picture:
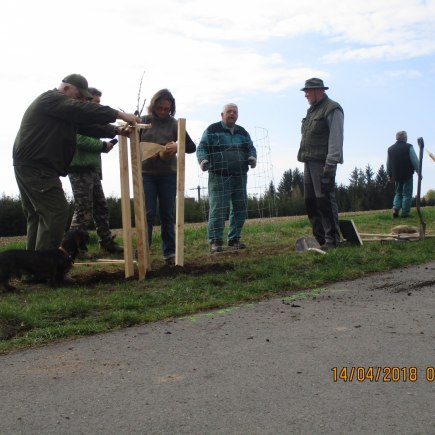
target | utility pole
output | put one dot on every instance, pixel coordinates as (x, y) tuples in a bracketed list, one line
[(199, 191)]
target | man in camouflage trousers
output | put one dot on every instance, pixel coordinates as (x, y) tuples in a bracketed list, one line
[(85, 174)]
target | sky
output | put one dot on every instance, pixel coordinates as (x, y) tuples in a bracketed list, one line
[(376, 57)]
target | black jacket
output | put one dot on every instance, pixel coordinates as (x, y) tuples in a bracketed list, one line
[(400, 164), (47, 135)]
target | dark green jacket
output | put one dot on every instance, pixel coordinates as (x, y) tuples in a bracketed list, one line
[(315, 131), (47, 135)]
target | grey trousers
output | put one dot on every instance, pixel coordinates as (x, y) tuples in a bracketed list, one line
[(320, 203), (44, 205)]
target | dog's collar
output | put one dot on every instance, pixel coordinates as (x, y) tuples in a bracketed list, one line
[(63, 250)]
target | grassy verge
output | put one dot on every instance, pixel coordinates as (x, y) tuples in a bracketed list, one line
[(35, 315)]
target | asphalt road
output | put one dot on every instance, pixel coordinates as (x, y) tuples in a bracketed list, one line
[(275, 367)]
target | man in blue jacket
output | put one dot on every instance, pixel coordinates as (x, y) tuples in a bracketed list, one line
[(226, 151)]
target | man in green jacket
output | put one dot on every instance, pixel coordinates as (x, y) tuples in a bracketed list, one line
[(85, 175), (321, 150), (43, 150)]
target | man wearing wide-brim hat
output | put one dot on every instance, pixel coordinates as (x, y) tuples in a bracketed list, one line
[(321, 150)]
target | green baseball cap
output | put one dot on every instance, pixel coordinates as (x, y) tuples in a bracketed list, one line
[(314, 83), (80, 83)]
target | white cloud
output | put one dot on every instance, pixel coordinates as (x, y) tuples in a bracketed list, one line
[(205, 52)]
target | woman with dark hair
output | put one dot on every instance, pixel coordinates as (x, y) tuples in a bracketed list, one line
[(159, 173)]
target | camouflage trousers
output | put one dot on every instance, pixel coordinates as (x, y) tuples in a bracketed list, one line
[(90, 204)]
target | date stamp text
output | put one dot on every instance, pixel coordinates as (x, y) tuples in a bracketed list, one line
[(382, 374)]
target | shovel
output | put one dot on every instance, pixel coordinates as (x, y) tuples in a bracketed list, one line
[(422, 231), (308, 244)]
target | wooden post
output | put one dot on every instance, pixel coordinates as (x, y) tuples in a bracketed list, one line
[(179, 219), (125, 207), (144, 262)]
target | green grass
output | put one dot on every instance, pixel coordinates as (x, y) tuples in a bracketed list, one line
[(36, 315)]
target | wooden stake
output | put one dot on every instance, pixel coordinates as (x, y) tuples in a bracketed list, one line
[(144, 262), (389, 235), (125, 207), (125, 125), (179, 219)]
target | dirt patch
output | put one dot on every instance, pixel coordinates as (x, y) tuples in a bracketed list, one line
[(94, 277), (95, 273), (207, 264)]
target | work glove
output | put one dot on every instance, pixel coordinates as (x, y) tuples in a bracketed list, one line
[(252, 162), (204, 165), (329, 169), (327, 179)]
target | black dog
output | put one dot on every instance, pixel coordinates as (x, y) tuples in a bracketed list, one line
[(49, 265)]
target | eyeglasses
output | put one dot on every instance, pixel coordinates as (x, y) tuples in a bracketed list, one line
[(162, 109)]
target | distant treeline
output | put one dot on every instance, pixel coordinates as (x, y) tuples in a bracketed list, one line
[(367, 190)]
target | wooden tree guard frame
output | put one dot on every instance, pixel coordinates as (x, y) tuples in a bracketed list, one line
[(143, 255), (179, 217)]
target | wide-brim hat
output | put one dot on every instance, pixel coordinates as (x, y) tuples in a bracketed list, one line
[(314, 83), (80, 83)]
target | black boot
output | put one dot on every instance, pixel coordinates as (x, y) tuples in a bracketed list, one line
[(111, 246)]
